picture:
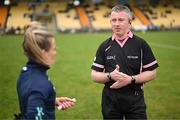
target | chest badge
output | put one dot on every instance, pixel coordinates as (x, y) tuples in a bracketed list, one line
[(113, 57), (132, 57)]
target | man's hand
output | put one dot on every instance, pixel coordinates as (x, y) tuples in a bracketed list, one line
[(120, 78), (115, 75)]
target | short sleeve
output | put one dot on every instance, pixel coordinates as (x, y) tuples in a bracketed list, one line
[(99, 60), (149, 61)]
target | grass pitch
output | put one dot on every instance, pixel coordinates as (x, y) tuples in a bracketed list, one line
[(71, 74)]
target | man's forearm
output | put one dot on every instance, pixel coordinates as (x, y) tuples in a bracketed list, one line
[(145, 76), (99, 77)]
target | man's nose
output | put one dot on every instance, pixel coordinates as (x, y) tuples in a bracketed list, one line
[(117, 23)]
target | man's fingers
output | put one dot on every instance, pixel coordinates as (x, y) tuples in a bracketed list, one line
[(115, 85)]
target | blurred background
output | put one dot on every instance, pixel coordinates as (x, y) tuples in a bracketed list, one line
[(79, 26), (86, 15)]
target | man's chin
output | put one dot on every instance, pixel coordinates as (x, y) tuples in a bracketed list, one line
[(118, 33)]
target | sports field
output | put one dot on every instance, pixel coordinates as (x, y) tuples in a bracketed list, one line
[(71, 74)]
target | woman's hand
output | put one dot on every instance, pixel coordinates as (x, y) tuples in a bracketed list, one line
[(64, 103)]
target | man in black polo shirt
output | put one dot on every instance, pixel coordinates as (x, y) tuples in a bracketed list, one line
[(124, 62)]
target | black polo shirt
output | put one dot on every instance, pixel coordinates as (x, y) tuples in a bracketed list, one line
[(134, 57)]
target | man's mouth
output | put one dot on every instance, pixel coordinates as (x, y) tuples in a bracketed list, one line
[(117, 28)]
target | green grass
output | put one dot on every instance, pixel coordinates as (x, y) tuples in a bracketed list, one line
[(71, 75)]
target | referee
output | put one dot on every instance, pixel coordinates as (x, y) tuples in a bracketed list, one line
[(123, 63)]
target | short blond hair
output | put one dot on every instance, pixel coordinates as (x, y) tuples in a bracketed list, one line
[(36, 39)]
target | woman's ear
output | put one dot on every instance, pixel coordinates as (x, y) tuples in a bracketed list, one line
[(44, 53), (45, 56)]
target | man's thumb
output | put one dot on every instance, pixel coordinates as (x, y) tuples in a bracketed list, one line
[(117, 67)]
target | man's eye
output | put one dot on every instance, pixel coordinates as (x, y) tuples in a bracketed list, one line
[(120, 19), (114, 20)]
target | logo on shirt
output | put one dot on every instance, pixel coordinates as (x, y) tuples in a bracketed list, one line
[(111, 57), (24, 68), (40, 113), (107, 48), (132, 57)]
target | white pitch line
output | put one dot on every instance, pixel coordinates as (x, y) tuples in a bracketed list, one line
[(166, 46)]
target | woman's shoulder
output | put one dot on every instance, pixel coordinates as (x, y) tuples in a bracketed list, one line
[(40, 85), (39, 81)]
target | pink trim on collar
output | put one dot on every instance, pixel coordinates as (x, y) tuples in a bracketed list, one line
[(122, 42)]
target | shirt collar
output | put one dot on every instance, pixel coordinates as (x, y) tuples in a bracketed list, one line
[(121, 42), (128, 35), (32, 63)]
